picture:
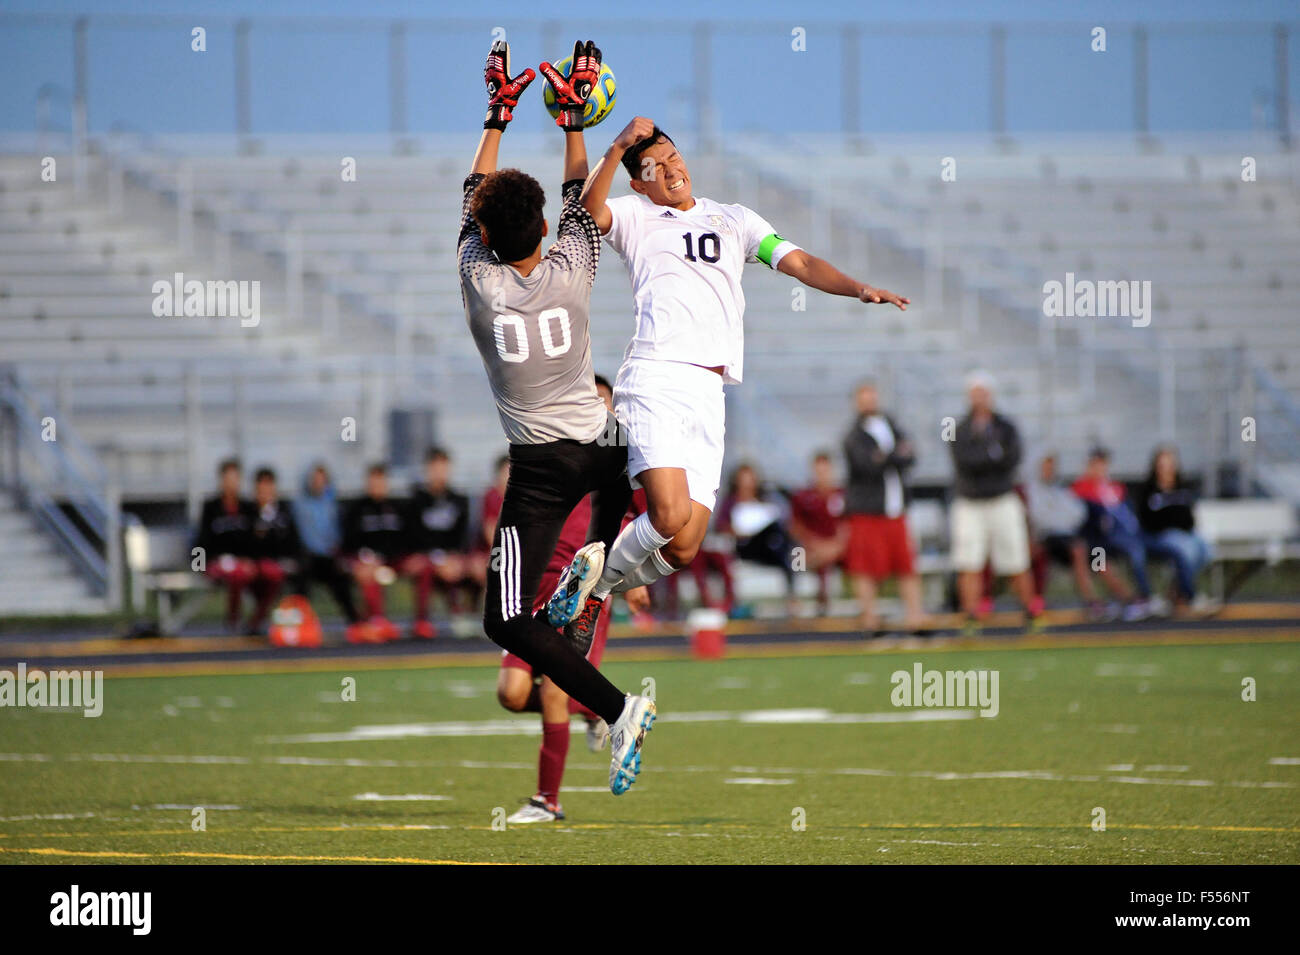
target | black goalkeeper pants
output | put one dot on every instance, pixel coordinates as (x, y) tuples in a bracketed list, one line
[(546, 482)]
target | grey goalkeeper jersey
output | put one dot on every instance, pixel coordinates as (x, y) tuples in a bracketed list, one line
[(533, 331)]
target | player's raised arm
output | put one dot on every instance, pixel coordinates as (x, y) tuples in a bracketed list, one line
[(821, 275), (596, 191), (571, 96), (503, 96)]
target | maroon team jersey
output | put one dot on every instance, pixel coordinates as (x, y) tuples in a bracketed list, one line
[(818, 512)]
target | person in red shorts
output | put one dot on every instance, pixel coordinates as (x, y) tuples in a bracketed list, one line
[(521, 691), (225, 539), (379, 536), (879, 455), (815, 523)]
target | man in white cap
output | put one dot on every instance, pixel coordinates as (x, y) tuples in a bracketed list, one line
[(988, 517)]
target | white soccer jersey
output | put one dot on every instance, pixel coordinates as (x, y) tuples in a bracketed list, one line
[(685, 269)]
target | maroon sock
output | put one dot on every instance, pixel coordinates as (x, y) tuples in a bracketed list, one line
[(374, 597), (550, 764), (576, 707)]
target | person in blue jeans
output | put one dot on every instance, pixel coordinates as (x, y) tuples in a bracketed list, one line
[(1165, 509), (1112, 526)]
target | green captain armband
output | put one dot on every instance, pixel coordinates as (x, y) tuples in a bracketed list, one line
[(773, 249)]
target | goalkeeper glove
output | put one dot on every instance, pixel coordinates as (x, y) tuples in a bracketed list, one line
[(571, 94), (503, 92)]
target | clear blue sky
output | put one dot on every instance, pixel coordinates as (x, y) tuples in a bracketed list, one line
[(925, 71)]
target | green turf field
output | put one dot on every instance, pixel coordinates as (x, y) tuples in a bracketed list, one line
[(1157, 736)]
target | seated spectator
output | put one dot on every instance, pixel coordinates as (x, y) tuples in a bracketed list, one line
[(815, 522), (1057, 517), (1112, 526), (225, 538), (316, 512), (755, 520), (442, 527), (1165, 505), (277, 547), (879, 455), (382, 543)]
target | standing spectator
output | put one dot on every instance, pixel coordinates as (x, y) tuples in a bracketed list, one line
[(1165, 510), (879, 546), (317, 514), (277, 546), (1113, 527), (988, 517), (815, 522), (755, 519), (442, 527), (379, 536), (1057, 517), (225, 536)]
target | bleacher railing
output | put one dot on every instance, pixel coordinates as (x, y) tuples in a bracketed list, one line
[(47, 469)]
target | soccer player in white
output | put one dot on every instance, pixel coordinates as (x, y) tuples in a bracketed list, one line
[(685, 254)]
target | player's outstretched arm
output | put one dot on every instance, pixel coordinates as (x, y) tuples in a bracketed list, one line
[(503, 96), (821, 275), (571, 96), (596, 191)]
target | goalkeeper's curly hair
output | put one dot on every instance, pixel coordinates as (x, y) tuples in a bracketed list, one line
[(508, 205)]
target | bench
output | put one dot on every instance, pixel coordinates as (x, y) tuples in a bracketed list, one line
[(1255, 532), (158, 559)]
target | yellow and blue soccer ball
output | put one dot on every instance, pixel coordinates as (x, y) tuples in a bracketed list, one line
[(599, 104)]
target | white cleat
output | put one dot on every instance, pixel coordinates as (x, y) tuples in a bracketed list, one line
[(597, 735), (536, 809), (576, 583), (625, 738)]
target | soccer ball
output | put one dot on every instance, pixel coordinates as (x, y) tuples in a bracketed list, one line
[(599, 104)]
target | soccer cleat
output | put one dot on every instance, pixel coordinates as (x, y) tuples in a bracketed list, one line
[(582, 629), (625, 739), (597, 735), (576, 583), (536, 809), (423, 629)]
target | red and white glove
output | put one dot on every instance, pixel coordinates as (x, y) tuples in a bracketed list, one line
[(503, 91), (571, 94)]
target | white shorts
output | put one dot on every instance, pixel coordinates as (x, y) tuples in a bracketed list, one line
[(675, 416), (990, 528)]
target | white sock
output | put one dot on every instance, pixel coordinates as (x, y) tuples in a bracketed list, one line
[(654, 568), (634, 544)]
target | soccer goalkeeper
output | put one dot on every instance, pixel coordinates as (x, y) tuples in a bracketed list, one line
[(528, 314)]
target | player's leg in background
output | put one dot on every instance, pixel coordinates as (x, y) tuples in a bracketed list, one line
[(517, 691), (532, 516), (266, 588), (554, 751), (339, 583), (864, 588), (363, 572)]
